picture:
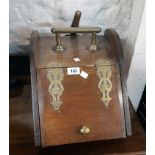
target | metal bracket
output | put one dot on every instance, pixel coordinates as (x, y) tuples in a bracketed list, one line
[(55, 76), (104, 73)]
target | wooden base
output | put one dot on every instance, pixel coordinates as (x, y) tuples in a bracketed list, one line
[(22, 135)]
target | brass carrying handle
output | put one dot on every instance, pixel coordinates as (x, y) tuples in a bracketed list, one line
[(93, 30)]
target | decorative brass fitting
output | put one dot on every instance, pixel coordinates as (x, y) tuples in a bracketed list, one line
[(92, 30), (104, 72), (84, 130)]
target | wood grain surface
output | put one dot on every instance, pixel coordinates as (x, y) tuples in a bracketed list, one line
[(81, 97), (82, 106), (114, 41), (22, 135), (77, 46)]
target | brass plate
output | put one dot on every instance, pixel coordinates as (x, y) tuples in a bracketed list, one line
[(55, 76), (104, 73)]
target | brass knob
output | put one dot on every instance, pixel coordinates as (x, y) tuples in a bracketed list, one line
[(84, 130)]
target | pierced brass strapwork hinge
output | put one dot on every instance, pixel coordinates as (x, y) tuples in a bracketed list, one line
[(104, 73), (55, 76)]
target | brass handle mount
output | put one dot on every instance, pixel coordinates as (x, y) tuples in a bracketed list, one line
[(93, 30), (84, 130)]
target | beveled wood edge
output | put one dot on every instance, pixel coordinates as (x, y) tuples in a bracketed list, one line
[(41, 107), (34, 45), (130, 153), (120, 97), (35, 108), (34, 37), (114, 40)]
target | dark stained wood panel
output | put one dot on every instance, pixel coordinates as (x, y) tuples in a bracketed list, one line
[(81, 97), (22, 136), (74, 47), (82, 106)]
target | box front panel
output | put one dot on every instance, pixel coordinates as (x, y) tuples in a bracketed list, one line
[(80, 106)]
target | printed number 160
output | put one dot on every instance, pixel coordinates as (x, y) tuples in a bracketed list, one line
[(73, 70)]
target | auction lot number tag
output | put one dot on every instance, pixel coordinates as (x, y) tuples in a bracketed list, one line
[(73, 70)]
